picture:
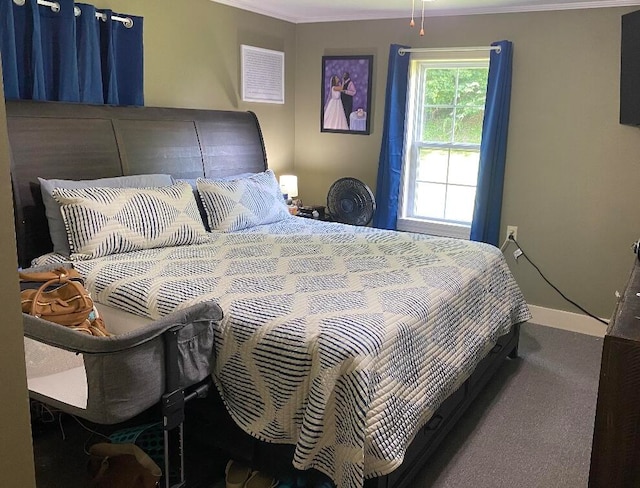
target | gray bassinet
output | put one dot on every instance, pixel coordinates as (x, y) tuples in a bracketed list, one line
[(108, 380), (128, 373)]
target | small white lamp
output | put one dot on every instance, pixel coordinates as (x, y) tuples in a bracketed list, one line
[(289, 185)]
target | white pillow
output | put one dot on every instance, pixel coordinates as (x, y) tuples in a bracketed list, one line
[(103, 221), (57, 232), (243, 203), (193, 182)]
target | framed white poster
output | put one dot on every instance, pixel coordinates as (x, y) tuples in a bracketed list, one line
[(262, 75)]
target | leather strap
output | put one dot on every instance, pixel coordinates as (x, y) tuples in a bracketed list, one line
[(43, 288), (104, 465), (59, 274)]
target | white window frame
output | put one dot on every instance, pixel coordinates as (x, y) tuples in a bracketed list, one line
[(412, 146)]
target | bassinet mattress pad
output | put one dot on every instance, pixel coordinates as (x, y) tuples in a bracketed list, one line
[(341, 340)]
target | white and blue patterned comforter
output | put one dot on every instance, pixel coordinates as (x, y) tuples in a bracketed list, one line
[(341, 340)]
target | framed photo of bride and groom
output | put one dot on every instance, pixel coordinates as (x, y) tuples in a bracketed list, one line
[(346, 94)]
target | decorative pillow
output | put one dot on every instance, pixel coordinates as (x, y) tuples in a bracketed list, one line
[(193, 183), (103, 221), (240, 204), (57, 230)]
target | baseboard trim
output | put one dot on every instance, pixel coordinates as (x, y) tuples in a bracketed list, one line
[(570, 321)]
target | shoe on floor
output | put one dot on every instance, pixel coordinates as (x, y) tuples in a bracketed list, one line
[(260, 480), (287, 482), (236, 474)]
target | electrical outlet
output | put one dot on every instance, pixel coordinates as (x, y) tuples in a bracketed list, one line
[(512, 230)]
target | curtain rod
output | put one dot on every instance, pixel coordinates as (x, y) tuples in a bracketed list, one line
[(55, 7), (402, 50)]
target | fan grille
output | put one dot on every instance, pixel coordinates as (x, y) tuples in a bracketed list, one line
[(350, 201)]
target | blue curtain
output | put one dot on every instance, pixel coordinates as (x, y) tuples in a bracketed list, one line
[(57, 55), (390, 165), (122, 61), (58, 45), (28, 45), (108, 57), (493, 149), (89, 62), (8, 50)]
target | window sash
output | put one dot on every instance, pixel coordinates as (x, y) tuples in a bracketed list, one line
[(414, 142), (409, 189)]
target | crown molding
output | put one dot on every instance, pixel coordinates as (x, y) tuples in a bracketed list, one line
[(432, 11), (250, 6)]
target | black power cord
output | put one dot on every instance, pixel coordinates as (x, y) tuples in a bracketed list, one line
[(511, 238)]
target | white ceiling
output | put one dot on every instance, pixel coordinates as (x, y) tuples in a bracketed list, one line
[(302, 11)]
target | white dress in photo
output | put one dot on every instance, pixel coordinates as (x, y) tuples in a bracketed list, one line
[(334, 117)]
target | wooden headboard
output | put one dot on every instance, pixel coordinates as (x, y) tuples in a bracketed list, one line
[(84, 142)]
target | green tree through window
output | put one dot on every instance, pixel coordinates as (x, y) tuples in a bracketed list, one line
[(444, 130)]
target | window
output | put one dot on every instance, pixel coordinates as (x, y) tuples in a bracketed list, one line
[(442, 148)]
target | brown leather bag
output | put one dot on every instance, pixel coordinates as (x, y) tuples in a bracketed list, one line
[(59, 296), (122, 466)]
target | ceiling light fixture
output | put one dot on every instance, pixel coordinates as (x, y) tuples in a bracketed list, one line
[(413, 10)]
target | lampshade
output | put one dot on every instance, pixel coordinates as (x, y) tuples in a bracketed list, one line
[(289, 185)]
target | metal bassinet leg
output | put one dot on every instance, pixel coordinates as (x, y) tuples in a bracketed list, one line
[(173, 403)]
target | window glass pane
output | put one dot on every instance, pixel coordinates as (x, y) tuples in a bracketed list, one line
[(448, 116), (463, 167), (472, 86), (469, 125), (438, 124), (440, 86), (460, 203), (432, 165), (429, 201)]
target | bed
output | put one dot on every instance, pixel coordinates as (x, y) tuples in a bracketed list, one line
[(328, 331)]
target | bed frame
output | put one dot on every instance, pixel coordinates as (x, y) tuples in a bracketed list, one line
[(73, 141), (84, 142)]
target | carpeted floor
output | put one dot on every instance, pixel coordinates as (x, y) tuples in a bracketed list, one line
[(531, 427)]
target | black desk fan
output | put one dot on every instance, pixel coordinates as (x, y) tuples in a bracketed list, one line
[(350, 201)]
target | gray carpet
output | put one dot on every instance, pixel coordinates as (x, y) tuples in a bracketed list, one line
[(533, 425)]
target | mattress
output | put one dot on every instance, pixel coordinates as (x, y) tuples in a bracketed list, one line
[(57, 373), (340, 340)]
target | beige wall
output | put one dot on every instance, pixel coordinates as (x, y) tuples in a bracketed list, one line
[(573, 172), (192, 52), (16, 455), (192, 60)]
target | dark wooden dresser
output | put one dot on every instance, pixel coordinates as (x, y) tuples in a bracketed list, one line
[(615, 455)]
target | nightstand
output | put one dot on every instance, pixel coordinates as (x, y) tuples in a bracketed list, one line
[(307, 213), (322, 218)]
